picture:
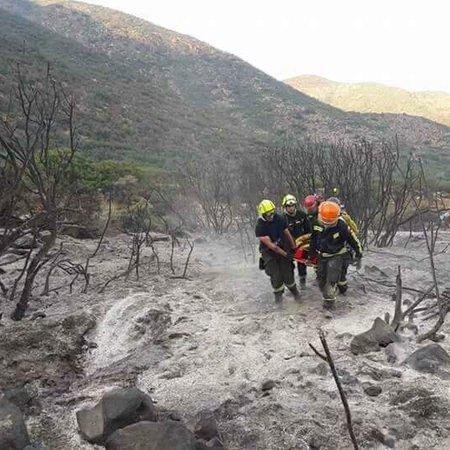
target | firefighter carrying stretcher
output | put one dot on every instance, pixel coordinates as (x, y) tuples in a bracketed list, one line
[(300, 229), (329, 239), (277, 249)]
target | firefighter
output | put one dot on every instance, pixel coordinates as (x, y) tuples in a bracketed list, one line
[(277, 249), (329, 240), (342, 284), (300, 229), (311, 205)]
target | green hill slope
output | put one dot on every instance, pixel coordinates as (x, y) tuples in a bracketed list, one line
[(147, 93), (374, 97)]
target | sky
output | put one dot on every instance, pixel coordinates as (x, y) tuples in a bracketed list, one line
[(403, 43)]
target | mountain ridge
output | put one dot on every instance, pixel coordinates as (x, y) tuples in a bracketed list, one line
[(375, 97), (148, 94)]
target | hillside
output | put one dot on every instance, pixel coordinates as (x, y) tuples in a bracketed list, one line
[(375, 98), (147, 93)]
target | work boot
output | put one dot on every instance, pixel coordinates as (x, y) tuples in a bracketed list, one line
[(278, 296), (302, 283), (295, 293), (329, 291)]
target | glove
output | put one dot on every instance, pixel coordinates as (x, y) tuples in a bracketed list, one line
[(262, 266), (314, 259), (358, 264)]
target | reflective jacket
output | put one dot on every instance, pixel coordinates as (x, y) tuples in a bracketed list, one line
[(332, 241)]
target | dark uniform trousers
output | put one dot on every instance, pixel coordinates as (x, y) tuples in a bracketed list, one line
[(332, 270), (280, 270)]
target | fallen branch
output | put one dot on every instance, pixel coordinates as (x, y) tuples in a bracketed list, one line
[(404, 288), (412, 308), (320, 355), (125, 273), (330, 361)]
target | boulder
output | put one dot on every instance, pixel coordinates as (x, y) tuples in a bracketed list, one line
[(152, 436), (206, 426), (431, 359), (117, 409), (13, 432), (380, 335)]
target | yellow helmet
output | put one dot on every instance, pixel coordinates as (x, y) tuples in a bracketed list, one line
[(289, 200), (266, 207)]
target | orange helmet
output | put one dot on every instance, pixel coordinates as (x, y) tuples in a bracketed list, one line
[(329, 212)]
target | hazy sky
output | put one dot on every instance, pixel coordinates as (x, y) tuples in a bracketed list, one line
[(403, 43)]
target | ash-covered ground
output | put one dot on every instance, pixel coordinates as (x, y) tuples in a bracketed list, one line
[(217, 341)]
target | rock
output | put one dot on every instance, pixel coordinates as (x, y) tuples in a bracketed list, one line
[(380, 436), (22, 397), (437, 337), (389, 441), (347, 378), (379, 374), (206, 426), (371, 389), (38, 315), (90, 344), (344, 335), (268, 385), (380, 335), (169, 415), (154, 321), (430, 359), (117, 409), (391, 352), (320, 369), (25, 243), (426, 407), (420, 403), (404, 395), (178, 335), (13, 432), (152, 436), (80, 232), (43, 351)]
